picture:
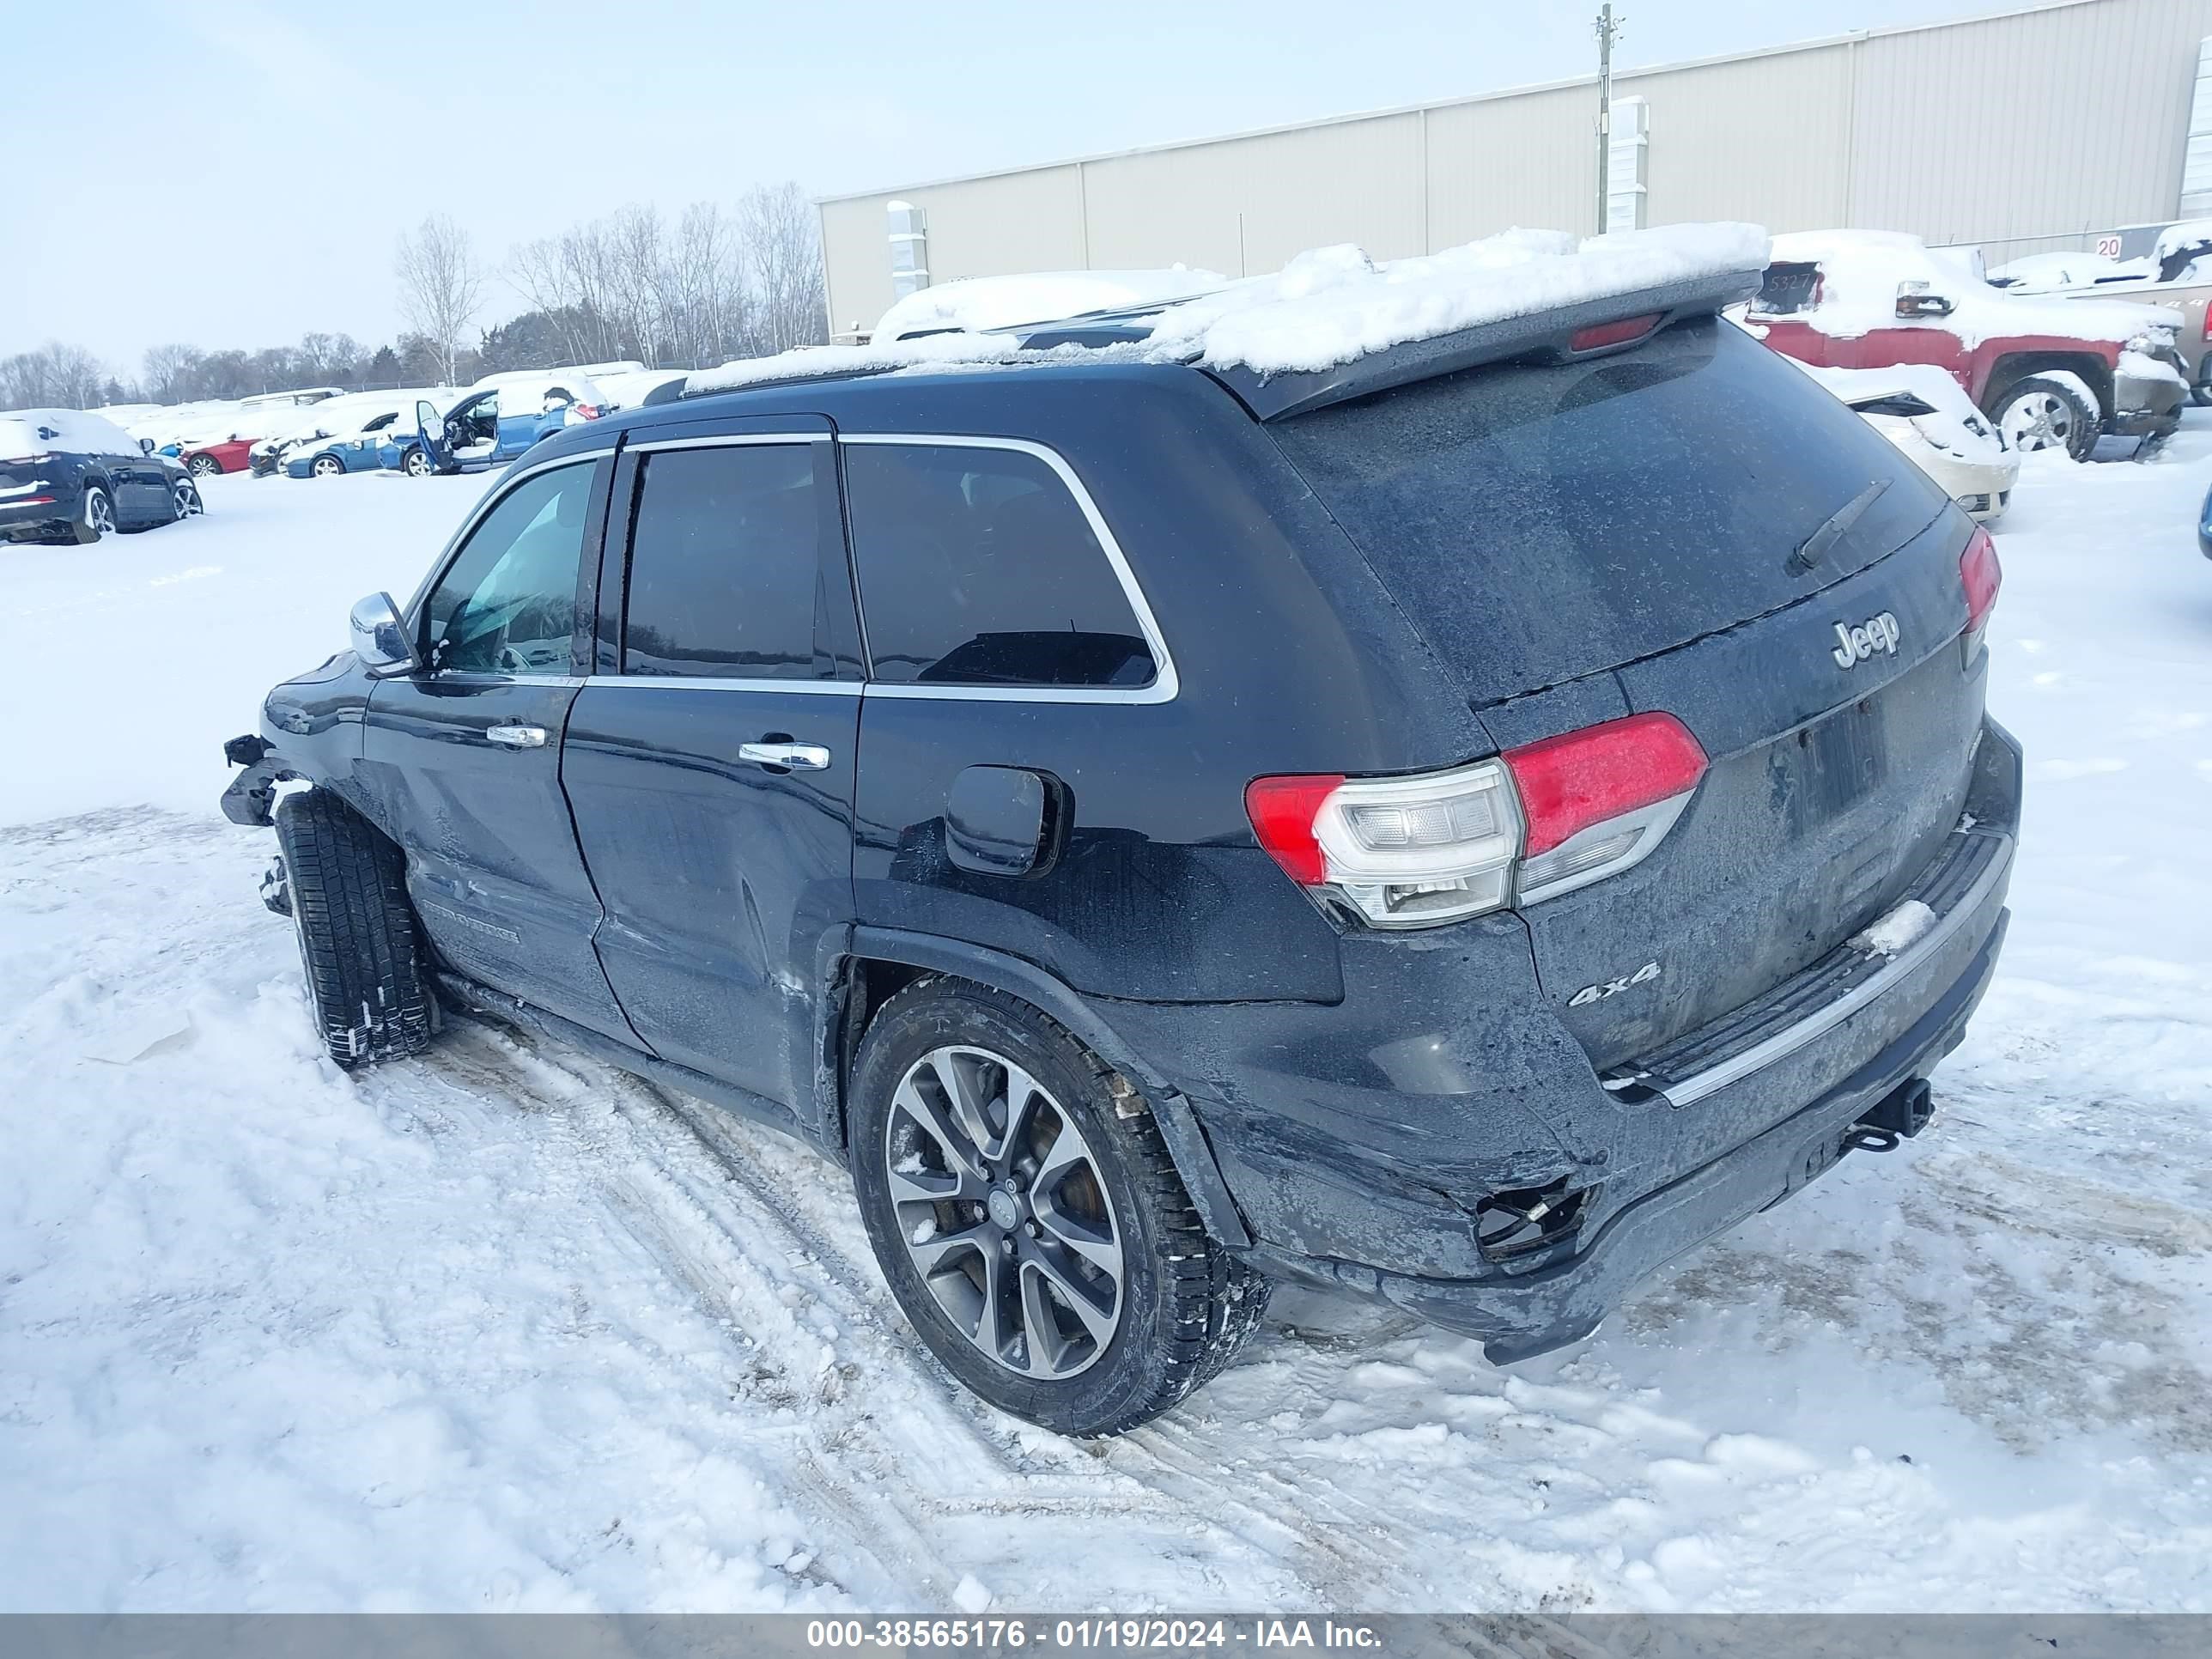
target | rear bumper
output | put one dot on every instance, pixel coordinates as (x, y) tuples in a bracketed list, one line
[(1368, 1144), (1560, 1303)]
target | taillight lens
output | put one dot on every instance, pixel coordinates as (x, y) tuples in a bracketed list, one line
[(1981, 576), (1537, 822)]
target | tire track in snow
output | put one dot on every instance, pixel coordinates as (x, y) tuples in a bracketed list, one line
[(907, 1468)]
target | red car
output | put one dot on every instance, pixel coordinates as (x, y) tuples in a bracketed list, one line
[(2051, 373), (227, 456)]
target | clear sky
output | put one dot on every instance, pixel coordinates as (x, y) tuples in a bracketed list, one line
[(235, 172)]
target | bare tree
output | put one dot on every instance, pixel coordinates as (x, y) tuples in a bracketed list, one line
[(55, 376), (440, 288), (169, 371), (783, 253)]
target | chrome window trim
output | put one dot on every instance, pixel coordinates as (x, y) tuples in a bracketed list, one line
[(1828, 1016), (1166, 683), (729, 440), (708, 683)]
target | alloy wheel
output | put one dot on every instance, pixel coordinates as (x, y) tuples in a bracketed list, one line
[(325, 467), (417, 464), (1003, 1210), (204, 466), (99, 512), (2038, 421), (186, 498)]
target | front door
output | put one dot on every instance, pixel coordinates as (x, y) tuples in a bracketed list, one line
[(466, 754), (431, 433), (711, 772)]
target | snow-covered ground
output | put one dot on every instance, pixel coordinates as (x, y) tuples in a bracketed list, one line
[(500, 1328)]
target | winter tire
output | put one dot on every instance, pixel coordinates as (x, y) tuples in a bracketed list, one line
[(1028, 1216), (327, 466), (96, 518), (2039, 414), (368, 985), (184, 500), (415, 463), (203, 466)]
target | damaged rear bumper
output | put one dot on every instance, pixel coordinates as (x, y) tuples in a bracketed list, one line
[(1527, 1315)]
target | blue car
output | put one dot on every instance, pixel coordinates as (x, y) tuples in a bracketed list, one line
[(491, 425), (339, 454)]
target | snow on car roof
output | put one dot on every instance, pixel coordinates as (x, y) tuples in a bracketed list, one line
[(1860, 271), (75, 431), (976, 303), (1333, 305)]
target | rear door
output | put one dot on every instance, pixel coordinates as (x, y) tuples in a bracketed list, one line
[(1652, 532), (710, 758), (466, 757)]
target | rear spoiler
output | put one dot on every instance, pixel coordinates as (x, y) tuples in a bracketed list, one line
[(1539, 336)]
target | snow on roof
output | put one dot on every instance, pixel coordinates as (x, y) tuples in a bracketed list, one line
[(1861, 270), (1335, 304), (73, 432), (984, 302)]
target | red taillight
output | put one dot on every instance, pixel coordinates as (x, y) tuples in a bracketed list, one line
[(1981, 576), (1538, 821), (590, 411), (1606, 334), (1283, 811), (1571, 782)]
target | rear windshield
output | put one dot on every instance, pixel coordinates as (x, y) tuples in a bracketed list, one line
[(1540, 523)]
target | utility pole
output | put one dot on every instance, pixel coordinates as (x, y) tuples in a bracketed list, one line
[(1606, 29)]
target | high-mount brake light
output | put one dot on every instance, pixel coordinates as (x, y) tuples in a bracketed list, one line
[(1981, 575), (1539, 821), (1611, 334)]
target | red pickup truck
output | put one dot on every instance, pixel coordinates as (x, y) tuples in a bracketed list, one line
[(2051, 373)]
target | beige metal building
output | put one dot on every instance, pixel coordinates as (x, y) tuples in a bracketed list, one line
[(2036, 129)]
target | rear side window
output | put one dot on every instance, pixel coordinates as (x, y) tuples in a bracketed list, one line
[(977, 567), (725, 564), (1541, 522)]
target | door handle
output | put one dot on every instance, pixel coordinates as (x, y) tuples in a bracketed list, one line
[(517, 737), (799, 756)]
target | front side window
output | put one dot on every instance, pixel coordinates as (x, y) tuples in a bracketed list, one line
[(507, 603), (977, 567), (725, 565)]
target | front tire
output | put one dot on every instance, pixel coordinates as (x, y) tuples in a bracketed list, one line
[(415, 463), (369, 982), (1032, 1227), (2040, 414), (203, 466), (326, 466)]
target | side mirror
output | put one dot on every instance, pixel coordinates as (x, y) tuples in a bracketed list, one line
[(379, 638), (145, 445), (1914, 299)]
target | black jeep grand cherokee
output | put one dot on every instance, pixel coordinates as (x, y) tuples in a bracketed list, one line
[(1464, 826)]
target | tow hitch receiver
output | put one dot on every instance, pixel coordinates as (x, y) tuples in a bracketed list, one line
[(1899, 1115)]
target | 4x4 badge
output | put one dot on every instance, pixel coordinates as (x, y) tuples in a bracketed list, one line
[(1875, 633), (1598, 993)]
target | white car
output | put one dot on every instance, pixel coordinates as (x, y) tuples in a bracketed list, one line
[(1928, 414)]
